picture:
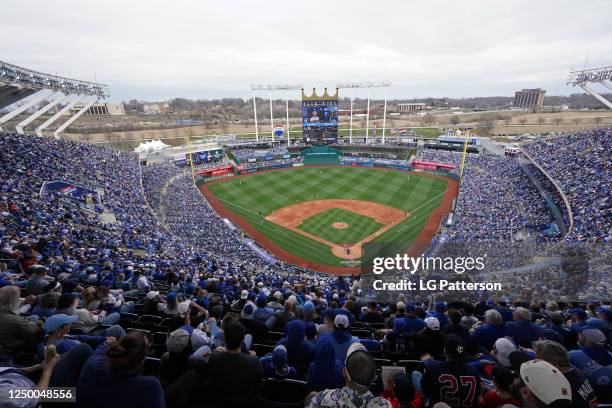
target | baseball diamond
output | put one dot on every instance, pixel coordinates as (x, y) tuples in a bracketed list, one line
[(319, 217)]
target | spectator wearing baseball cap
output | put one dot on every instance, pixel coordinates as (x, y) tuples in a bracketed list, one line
[(583, 394), (57, 328), (262, 312), (430, 340), (239, 303), (543, 385), (439, 312), (578, 318), (153, 303), (180, 345), (300, 352), (592, 358), (454, 369), (277, 366), (359, 371), (341, 337)]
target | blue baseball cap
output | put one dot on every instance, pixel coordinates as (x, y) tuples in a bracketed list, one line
[(581, 314), (440, 306), (279, 356), (309, 307), (56, 321)]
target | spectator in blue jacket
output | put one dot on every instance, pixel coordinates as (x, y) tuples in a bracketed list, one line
[(325, 372), (521, 329), (300, 352), (487, 333), (341, 338)]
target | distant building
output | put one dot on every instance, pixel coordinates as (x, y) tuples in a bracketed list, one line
[(112, 109), (155, 108), (410, 107), (151, 108), (529, 98)]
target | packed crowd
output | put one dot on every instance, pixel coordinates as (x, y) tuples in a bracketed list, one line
[(175, 293), (580, 163), (276, 162), (346, 160), (245, 154)]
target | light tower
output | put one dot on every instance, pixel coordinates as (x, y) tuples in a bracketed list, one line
[(368, 85), (270, 88), (602, 76)]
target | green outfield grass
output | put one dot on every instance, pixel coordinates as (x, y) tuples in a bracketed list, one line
[(266, 192), (359, 226)]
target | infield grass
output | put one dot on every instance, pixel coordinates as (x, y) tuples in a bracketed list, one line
[(263, 193), (358, 226)]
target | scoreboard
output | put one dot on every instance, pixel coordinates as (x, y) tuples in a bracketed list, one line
[(320, 118)]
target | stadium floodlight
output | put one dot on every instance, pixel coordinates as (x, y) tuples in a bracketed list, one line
[(270, 88), (368, 85), (584, 77)]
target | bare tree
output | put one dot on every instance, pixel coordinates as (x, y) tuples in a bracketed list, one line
[(454, 120), (541, 121), (486, 123), (522, 121), (598, 120), (557, 120), (576, 121)]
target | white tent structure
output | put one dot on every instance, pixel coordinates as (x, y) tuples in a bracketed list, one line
[(152, 146)]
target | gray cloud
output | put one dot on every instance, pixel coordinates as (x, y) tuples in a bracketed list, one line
[(205, 49)]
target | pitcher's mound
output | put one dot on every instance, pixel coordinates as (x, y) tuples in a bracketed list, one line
[(340, 225)]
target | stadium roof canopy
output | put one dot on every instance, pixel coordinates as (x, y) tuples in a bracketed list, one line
[(18, 83)]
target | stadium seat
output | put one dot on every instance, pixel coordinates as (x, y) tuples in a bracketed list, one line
[(284, 393), (274, 336), (412, 365), (262, 349), (380, 362), (159, 337), (145, 332), (376, 326), (129, 316), (362, 334), (150, 319), (152, 366)]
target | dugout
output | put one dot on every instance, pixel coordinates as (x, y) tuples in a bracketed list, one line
[(321, 156)]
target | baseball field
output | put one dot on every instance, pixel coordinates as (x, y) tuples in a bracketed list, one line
[(320, 217)]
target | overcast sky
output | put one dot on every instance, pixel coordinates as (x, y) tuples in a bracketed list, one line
[(156, 50)]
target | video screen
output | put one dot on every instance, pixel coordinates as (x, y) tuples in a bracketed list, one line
[(320, 121)]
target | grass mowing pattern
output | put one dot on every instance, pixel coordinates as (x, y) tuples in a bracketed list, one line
[(359, 226), (266, 192)]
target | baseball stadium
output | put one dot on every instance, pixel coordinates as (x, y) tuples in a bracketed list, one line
[(175, 238)]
